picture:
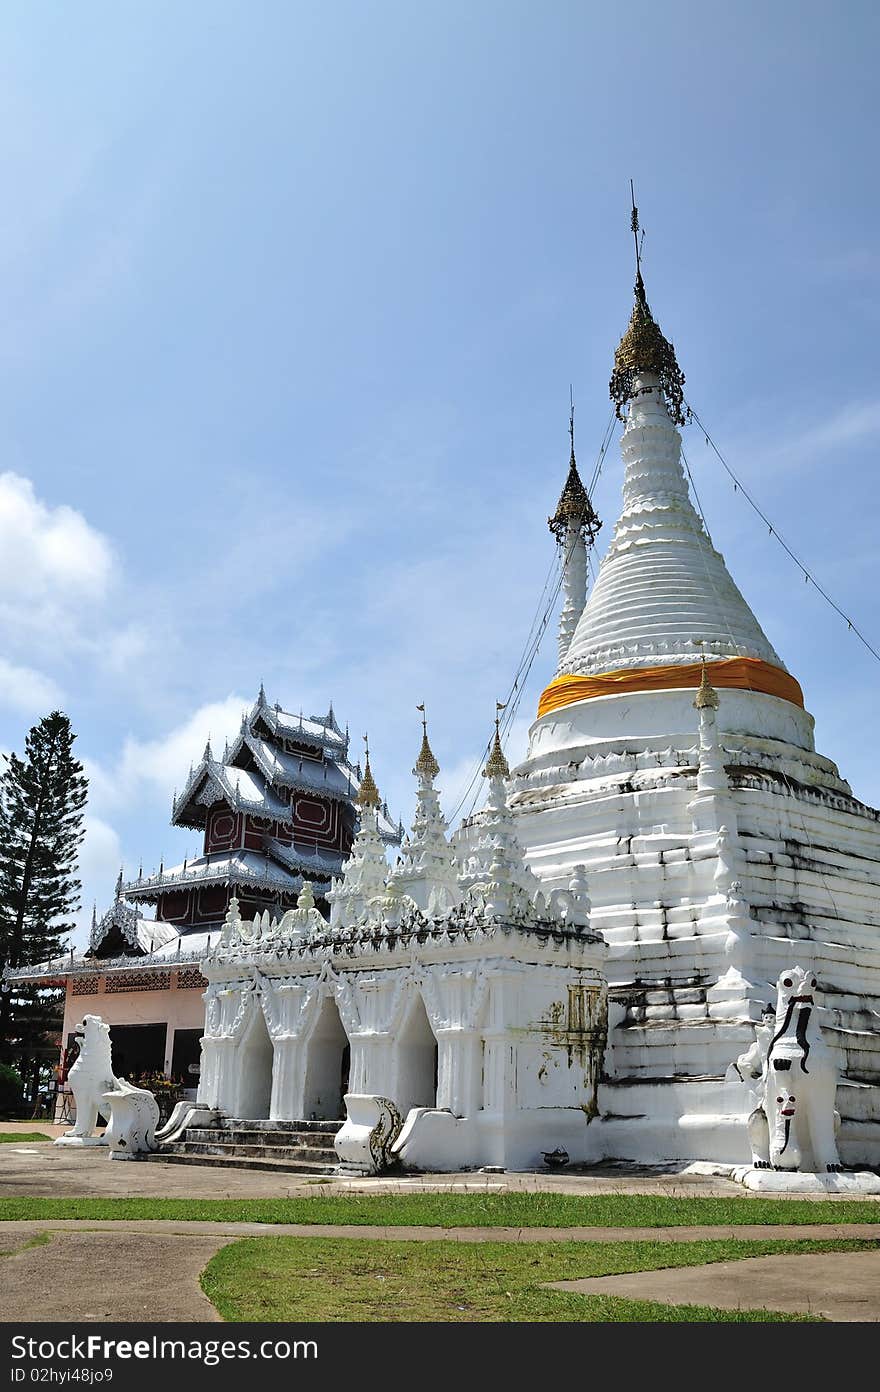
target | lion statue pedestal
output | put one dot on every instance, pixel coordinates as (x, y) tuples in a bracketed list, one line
[(133, 1113), (134, 1116)]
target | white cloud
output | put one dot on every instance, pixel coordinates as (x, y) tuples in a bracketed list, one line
[(795, 445), (855, 422), (160, 765), (26, 690), (55, 569), (48, 553)]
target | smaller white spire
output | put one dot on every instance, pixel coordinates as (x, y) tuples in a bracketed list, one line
[(575, 527), (712, 775), (358, 893), (495, 869), (426, 870), (712, 807), (231, 923)]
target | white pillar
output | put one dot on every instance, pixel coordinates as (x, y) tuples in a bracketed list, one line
[(459, 1071), (370, 1069), (288, 1078), (574, 586)]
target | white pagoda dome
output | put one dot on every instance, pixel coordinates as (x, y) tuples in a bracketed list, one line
[(661, 582), (719, 845)]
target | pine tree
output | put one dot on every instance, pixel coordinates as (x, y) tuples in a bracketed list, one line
[(41, 812)]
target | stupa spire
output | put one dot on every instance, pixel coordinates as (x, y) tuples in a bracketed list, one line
[(426, 871), (644, 350), (496, 869), (575, 527), (574, 508), (426, 767), (661, 580), (357, 896), (368, 795), (706, 697), (497, 766)]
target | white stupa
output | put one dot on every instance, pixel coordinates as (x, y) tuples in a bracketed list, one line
[(720, 847)]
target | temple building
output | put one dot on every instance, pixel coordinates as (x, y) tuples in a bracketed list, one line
[(577, 969), (456, 988), (277, 810), (278, 807), (673, 757)]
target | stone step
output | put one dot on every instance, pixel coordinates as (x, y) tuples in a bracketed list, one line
[(243, 1162), (318, 1155), (263, 1124), (299, 1146), (234, 1135)]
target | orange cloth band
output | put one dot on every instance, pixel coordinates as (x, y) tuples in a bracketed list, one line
[(744, 673)]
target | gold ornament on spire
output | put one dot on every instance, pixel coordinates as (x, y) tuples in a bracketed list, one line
[(643, 348), (707, 696), (574, 507), (496, 765), (368, 795), (426, 763)]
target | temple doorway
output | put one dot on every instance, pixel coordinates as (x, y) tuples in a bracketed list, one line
[(138, 1050), (416, 1060), (255, 1060), (327, 1066)]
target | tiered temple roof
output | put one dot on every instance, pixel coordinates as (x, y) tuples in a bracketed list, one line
[(278, 807), (121, 931)]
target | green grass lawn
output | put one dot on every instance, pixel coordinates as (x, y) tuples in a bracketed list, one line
[(8, 1137), (319, 1279), (451, 1209)]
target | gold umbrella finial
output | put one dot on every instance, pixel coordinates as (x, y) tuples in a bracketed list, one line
[(496, 765), (574, 507), (707, 696), (643, 348), (368, 795), (426, 764)]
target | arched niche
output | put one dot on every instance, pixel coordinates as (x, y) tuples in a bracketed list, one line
[(416, 1059), (327, 1065), (254, 1065)]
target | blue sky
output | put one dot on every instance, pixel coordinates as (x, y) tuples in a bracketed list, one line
[(290, 300)]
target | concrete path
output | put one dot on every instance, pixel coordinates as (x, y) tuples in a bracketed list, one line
[(41, 1169), (174, 1227), (839, 1286), (95, 1277), (149, 1270)]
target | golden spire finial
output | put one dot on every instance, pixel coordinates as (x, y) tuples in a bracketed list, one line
[(574, 507), (643, 349), (707, 696), (368, 795), (636, 229), (426, 764), (496, 765)]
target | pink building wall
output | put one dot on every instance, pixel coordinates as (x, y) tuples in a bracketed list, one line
[(178, 1006)]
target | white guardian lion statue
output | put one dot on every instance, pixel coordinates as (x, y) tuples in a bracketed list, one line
[(133, 1112), (91, 1077), (793, 1125)]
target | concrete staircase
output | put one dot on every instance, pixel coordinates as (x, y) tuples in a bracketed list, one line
[(295, 1147)]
